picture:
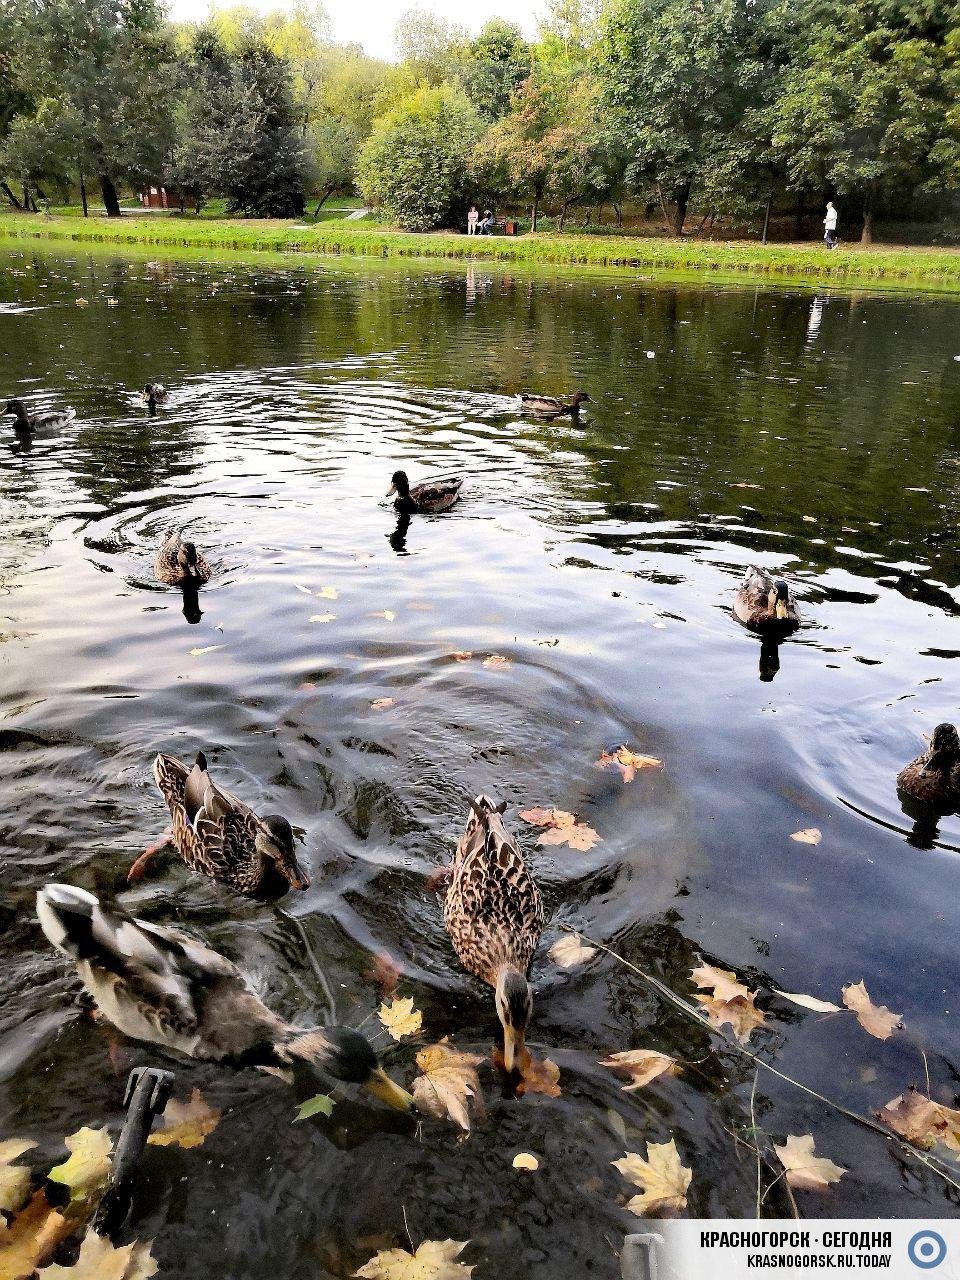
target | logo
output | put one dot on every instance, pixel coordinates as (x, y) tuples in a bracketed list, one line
[(927, 1249)]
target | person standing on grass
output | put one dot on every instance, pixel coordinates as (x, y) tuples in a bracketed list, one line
[(830, 226), (472, 219)]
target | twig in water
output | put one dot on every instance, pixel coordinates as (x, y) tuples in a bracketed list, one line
[(753, 1125)]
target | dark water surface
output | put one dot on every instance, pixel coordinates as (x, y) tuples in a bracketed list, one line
[(818, 437)]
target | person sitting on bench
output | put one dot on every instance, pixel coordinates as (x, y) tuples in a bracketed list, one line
[(486, 224)]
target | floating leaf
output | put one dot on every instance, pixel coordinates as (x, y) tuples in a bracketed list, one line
[(32, 1237), (809, 835), (448, 1082), (82, 302), (306, 590), (808, 1002), (804, 1170), (186, 1124), (662, 1179), (387, 614), (381, 704), (87, 1169), (322, 617), (497, 662), (627, 761), (207, 648), (14, 1179), (569, 951), (536, 1075), (524, 1160), (461, 655), (434, 1260), (401, 1018), (730, 1002), (922, 1121), (875, 1018), (99, 1260), (112, 302), (327, 593), (318, 1105), (641, 1065), (562, 828)]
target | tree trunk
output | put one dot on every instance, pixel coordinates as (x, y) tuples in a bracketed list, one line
[(681, 198), (798, 216), (26, 197), (535, 210), (663, 206), (110, 201), (866, 236), (83, 196), (619, 212), (322, 201), (11, 197), (563, 214), (766, 220)]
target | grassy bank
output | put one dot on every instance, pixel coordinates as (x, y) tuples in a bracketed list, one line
[(877, 267)]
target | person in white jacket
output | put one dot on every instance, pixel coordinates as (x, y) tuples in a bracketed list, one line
[(830, 226)]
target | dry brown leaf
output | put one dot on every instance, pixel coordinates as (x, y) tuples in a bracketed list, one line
[(524, 1160), (186, 1124), (808, 1002), (641, 1065), (804, 1170), (922, 1121), (538, 817), (87, 1168), (461, 655), (381, 704), (400, 1018), (662, 1179), (723, 982), (14, 1178), (562, 828), (99, 1260), (537, 1075), (627, 761), (448, 1082), (569, 951), (809, 835), (32, 1237), (82, 302), (730, 1002), (496, 662), (875, 1018), (434, 1260)]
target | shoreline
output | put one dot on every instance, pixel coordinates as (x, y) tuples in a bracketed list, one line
[(850, 267)]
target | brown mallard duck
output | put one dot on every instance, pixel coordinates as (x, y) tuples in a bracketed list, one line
[(154, 394), (31, 422), (553, 406), (428, 498), (494, 916), (180, 564), (219, 836), (934, 777), (764, 604), (160, 985)]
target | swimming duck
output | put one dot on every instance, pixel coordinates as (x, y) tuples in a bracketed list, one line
[(764, 604), (428, 498), (38, 421), (180, 564), (934, 777), (219, 836), (494, 916), (153, 394), (160, 985), (552, 406)]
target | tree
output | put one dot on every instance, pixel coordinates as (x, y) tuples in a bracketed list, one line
[(431, 48), (414, 165), (333, 155), (43, 147), (496, 64)]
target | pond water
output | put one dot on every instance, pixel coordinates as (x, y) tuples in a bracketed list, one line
[(815, 435)]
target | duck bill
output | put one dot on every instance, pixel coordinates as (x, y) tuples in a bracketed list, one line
[(296, 877), (782, 610), (391, 491), (381, 1086), (513, 1047)]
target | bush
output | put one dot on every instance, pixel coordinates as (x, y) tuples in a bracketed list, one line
[(414, 166)]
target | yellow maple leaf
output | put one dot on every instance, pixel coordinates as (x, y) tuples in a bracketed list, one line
[(877, 1019), (434, 1260), (730, 1002), (641, 1065), (87, 1169), (448, 1082), (186, 1124), (400, 1018), (32, 1237), (627, 762), (662, 1179), (14, 1179), (804, 1170), (100, 1260)]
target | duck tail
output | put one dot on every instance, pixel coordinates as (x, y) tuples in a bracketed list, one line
[(68, 916)]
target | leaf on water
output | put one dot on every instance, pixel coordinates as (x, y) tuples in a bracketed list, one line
[(186, 1124), (31, 1237), (641, 1065), (461, 655), (306, 685), (87, 1169), (82, 302), (322, 617), (112, 302), (921, 1121), (384, 972), (524, 1160), (387, 614), (400, 1018), (804, 1170), (319, 1105), (14, 1179), (381, 704), (809, 835), (875, 1018), (744, 484), (809, 519), (327, 593), (99, 1260), (627, 761), (448, 1081), (306, 590), (536, 1075), (207, 648), (808, 1002), (434, 1260), (569, 951), (662, 1179), (538, 817), (562, 828), (497, 662), (730, 1002)]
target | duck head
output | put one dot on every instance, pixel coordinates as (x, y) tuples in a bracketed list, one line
[(514, 1002), (347, 1055), (580, 398), (780, 599), (19, 410), (274, 841), (944, 749), (187, 559), (399, 484)]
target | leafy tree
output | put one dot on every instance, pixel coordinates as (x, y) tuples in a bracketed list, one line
[(333, 155), (43, 147), (414, 165), (430, 47), (496, 64)]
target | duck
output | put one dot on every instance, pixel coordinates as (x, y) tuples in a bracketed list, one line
[(154, 394), (764, 604), (180, 564), (553, 406), (219, 836), (160, 985), (31, 422), (428, 498), (493, 913), (934, 777)]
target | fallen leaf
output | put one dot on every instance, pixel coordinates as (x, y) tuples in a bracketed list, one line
[(461, 655), (387, 614), (322, 617), (306, 590), (662, 1179), (448, 1082), (87, 1168), (381, 704), (82, 302), (112, 302), (538, 817), (32, 1237), (922, 1121), (100, 1260), (384, 972), (641, 1065), (569, 951), (808, 1002), (627, 761), (327, 593), (306, 685), (809, 835), (434, 1260), (207, 648), (14, 1179), (744, 484), (401, 1018), (809, 519), (318, 1105), (536, 1075), (562, 828), (730, 1002), (804, 1170), (186, 1124), (524, 1160), (497, 662), (875, 1018)]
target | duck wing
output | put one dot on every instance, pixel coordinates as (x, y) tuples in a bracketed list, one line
[(437, 495), (224, 829), (166, 566)]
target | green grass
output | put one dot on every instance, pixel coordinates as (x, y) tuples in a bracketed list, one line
[(849, 266)]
